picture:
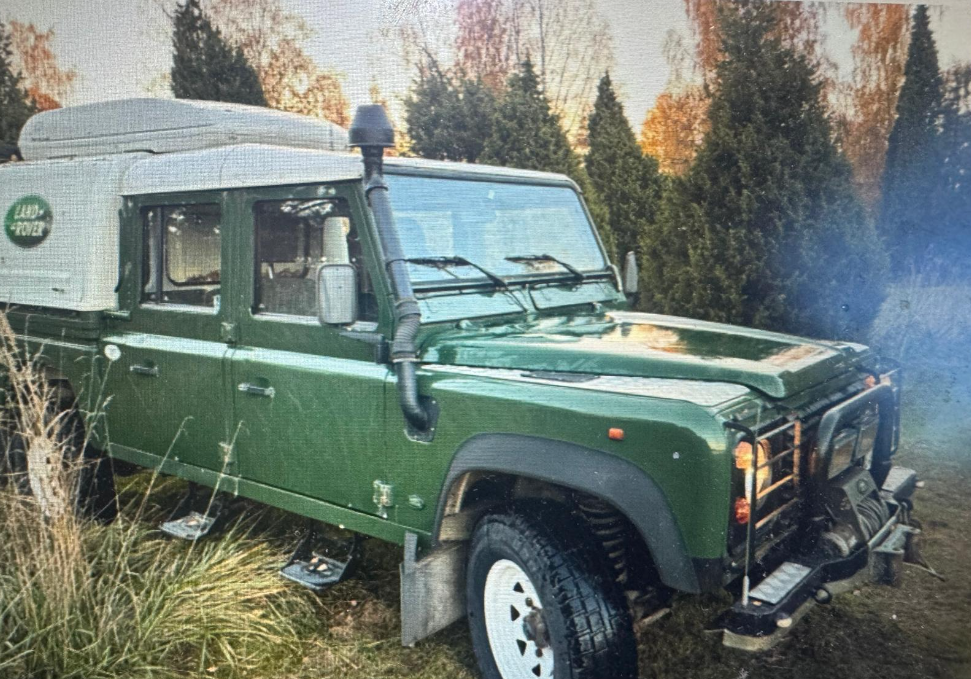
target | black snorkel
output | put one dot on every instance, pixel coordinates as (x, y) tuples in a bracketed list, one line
[(371, 131)]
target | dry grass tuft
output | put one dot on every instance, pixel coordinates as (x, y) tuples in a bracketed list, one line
[(84, 600)]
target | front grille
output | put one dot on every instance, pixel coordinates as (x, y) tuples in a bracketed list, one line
[(778, 510), (775, 509), (785, 461)]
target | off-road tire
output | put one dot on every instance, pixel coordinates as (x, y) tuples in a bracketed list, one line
[(589, 624)]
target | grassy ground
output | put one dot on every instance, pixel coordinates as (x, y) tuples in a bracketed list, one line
[(920, 629)]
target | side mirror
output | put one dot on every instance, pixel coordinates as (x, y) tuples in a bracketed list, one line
[(337, 294), (630, 274)]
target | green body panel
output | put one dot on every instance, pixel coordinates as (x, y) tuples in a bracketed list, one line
[(652, 345), (680, 445), (317, 435), (334, 426), (65, 344), (183, 410), (168, 391), (276, 497)]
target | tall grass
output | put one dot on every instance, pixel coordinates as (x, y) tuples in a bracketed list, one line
[(83, 600)]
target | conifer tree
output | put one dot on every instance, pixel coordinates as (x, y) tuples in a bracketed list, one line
[(953, 202), (449, 117), (527, 134), (764, 228), (205, 66), (627, 181), (15, 104), (912, 174)]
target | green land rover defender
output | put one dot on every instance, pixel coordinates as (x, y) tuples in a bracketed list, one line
[(442, 356)]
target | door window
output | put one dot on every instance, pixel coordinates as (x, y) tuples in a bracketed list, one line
[(182, 260), (293, 239)]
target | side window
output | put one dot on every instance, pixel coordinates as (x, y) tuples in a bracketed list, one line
[(293, 238), (182, 253)]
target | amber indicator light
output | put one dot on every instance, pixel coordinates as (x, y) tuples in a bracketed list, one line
[(615, 434)]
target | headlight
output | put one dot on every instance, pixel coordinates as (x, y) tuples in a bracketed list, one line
[(844, 447), (763, 473), (855, 443)]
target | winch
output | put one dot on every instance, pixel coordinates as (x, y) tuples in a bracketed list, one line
[(853, 502)]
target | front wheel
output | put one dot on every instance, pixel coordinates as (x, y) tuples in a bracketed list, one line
[(542, 604)]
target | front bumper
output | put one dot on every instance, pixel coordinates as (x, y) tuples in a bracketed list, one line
[(790, 591)]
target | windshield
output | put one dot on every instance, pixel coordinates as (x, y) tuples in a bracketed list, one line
[(506, 229)]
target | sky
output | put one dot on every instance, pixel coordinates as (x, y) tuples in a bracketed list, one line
[(122, 48)]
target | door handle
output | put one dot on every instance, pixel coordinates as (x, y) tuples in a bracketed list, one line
[(257, 390), (147, 370)]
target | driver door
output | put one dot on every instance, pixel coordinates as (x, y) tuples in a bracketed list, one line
[(308, 398)]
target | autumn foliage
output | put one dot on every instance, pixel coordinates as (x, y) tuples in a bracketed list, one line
[(797, 24), (878, 71), (763, 229), (46, 82), (674, 128), (15, 104), (293, 82), (568, 41), (483, 50), (272, 40)]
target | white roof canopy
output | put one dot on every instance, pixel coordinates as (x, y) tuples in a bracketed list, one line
[(169, 125)]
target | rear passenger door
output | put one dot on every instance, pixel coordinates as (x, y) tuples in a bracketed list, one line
[(309, 398), (167, 374)]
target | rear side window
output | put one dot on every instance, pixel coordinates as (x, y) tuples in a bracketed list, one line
[(182, 255)]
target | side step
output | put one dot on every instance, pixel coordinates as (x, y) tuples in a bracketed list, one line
[(319, 562), (188, 524), (190, 527)]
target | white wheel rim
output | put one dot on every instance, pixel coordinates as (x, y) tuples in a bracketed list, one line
[(508, 599)]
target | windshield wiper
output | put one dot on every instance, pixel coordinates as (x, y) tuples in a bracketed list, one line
[(579, 275), (456, 260)]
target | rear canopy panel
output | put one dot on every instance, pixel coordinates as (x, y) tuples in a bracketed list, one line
[(60, 243), (61, 207)]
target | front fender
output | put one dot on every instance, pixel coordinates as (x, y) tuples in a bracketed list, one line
[(606, 476)]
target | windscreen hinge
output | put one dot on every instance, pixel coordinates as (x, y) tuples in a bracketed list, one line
[(229, 333)]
